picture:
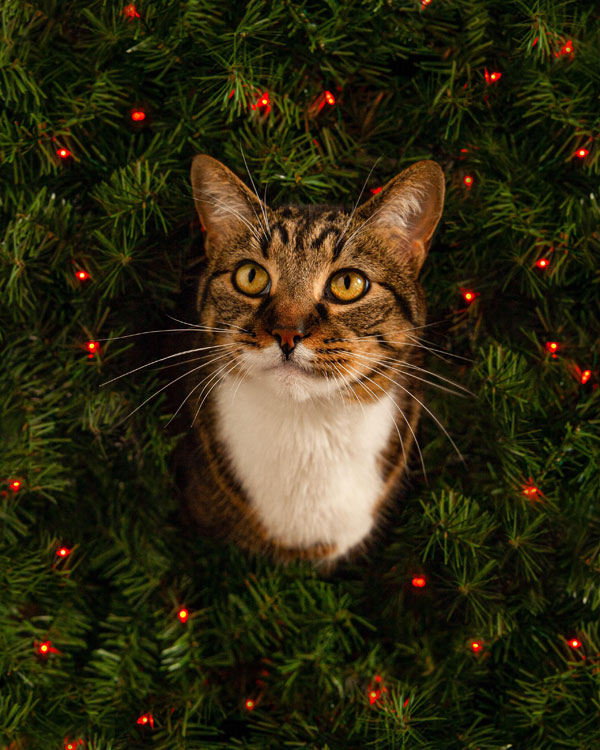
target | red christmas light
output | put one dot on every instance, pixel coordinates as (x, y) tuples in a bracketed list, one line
[(138, 115), (82, 275), (130, 11), (552, 346), (574, 643), (585, 376), (468, 180), (468, 295), (375, 692), (376, 190), (15, 485), (476, 646), (63, 551), (146, 719), (73, 744), (582, 153), (542, 262), (329, 98), (64, 153), (46, 648), (183, 614), (232, 93), (419, 582), (93, 347), (425, 3), (492, 77), (249, 704), (263, 102), (530, 490), (567, 49)]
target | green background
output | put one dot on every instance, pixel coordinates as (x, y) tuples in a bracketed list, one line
[(518, 573)]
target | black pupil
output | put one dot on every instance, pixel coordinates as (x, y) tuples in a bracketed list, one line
[(347, 281), (251, 275)]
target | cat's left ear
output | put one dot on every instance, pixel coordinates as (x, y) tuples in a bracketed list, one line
[(225, 205), (406, 211)]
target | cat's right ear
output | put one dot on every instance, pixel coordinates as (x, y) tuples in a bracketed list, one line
[(225, 205)]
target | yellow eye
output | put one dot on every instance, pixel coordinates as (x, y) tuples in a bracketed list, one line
[(348, 285), (251, 279)]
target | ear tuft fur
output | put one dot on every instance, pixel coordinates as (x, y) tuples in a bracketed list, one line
[(407, 211)]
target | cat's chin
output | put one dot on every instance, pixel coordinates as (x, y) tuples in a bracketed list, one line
[(288, 379), (295, 382)]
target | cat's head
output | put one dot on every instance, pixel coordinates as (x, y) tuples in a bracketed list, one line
[(314, 299)]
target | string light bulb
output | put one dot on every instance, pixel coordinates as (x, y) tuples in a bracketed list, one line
[(138, 115), (130, 11), (468, 295), (468, 180), (542, 262), (582, 153), (146, 720), (82, 275), (492, 77), (46, 648), (419, 582), (63, 552), (64, 153), (249, 704), (575, 643), (15, 485), (263, 102), (476, 646), (567, 48), (585, 376), (183, 614), (530, 490)]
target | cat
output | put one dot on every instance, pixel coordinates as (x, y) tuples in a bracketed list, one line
[(306, 401)]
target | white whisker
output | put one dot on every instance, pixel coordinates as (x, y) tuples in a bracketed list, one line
[(216, 383), (207, 328), (259, 201), (402, 414), (440, 425), (399, 364), (210, 375), (245, 373), (162, 330), (396, 330), (348, 385), (362, 226), (167, 385), (357, 202), (170, 356), (231, 211)]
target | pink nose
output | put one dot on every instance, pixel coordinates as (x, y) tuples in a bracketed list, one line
[(286, 336)]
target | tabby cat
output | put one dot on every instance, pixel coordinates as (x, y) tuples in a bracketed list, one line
[(306, 404)]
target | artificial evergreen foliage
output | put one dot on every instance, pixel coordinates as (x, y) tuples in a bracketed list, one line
[(505, 527)]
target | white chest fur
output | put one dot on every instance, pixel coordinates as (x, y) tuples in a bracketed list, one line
[(310, 468)]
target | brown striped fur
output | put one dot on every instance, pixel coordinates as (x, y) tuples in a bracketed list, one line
[(304, 246)]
